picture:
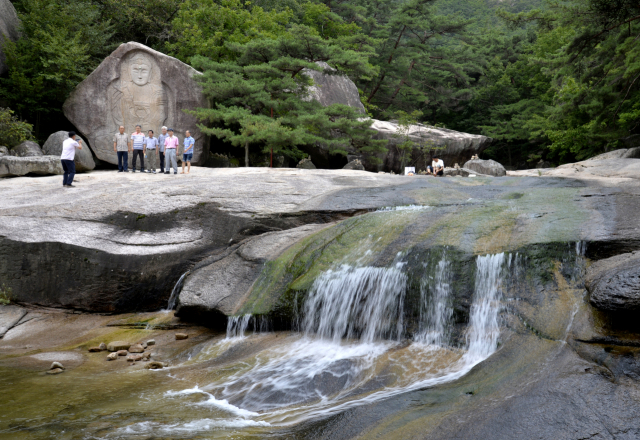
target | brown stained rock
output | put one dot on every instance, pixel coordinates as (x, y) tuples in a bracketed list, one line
[(180, 336), (137, 348), (122, 352), (134, 358), (55, 371), (112, 356), (102, 346), (94, 349), (154, 365), (146, 356)]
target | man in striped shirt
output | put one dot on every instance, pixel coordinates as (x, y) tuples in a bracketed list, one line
[(137, 138)]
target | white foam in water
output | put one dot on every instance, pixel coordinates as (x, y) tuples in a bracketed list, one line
[(404, 208), (212, 401), (435, 309), (237, 325), (484, 328), (318, 372), (352, 301), (202, 425)]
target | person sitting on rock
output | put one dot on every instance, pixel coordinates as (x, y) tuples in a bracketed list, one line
[(436, 168)]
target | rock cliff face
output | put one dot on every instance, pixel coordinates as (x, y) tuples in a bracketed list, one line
[(333, 89), (9, 28), (136, 85), (452, 146), (449, 145)]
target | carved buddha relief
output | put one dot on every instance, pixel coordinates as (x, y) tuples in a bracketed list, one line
[(138, 98)]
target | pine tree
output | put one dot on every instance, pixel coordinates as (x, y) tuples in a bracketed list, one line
[(262, 97)]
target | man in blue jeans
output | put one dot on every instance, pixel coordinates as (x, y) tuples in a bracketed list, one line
[(187, 152), (121, 146), (68, 154)]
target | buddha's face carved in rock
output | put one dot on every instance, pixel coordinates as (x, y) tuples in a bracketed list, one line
[(140, 71)]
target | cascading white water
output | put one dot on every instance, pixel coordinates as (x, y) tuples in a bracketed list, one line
[(435, 305), (348, 351), (237, 325), (356, 301), (484, 329), (173, 299)]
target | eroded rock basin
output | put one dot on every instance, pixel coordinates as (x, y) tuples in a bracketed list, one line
[(520, 352)]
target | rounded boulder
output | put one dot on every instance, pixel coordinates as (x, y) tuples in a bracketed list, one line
[(83, 157), (487, 167)]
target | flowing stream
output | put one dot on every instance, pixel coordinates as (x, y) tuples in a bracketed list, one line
[(351, 347)]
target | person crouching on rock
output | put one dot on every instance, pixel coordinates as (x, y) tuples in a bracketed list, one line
[(68, 154), (137, 137), (436, 168), (151, 151), (187, 152)]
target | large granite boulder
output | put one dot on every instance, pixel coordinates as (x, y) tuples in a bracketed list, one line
[(26, 149), (137, 85), (488, 167), (451, 146), (623, 153), (355, 164), (19, 166), (331, 88), (83, 158), (614, 283), (9, 28), (221, 286), (306, 164)]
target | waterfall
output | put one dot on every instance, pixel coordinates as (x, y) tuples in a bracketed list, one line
[(484, 329), (356, 301), (435, 305), (173, 299), (237, 325)]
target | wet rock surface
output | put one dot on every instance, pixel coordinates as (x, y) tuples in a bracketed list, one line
[(614, 283)]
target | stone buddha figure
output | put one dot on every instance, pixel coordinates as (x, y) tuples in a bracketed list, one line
[(139, 98)]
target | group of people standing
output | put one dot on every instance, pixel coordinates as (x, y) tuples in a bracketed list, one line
[(162, 148)]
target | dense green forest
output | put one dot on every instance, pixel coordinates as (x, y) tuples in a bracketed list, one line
[(548, 80)]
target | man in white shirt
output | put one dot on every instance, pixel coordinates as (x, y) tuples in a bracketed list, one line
[(68, 154), (151, 151), (437, 167)]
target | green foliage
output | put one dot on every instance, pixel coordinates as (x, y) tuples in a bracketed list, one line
[(12, 130), (406, 145), (61, 43), (259, 99), (203, 27), (6, 294)]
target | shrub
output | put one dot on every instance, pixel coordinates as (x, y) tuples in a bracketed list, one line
[(13, 130)]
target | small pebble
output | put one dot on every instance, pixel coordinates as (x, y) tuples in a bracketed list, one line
[(56, 365), (180, 336), (102, 346), (144, 345), (151, 342), (112, 356), (55, 371), (146, 355), (122, 352), (94, 349), (134, 358)]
